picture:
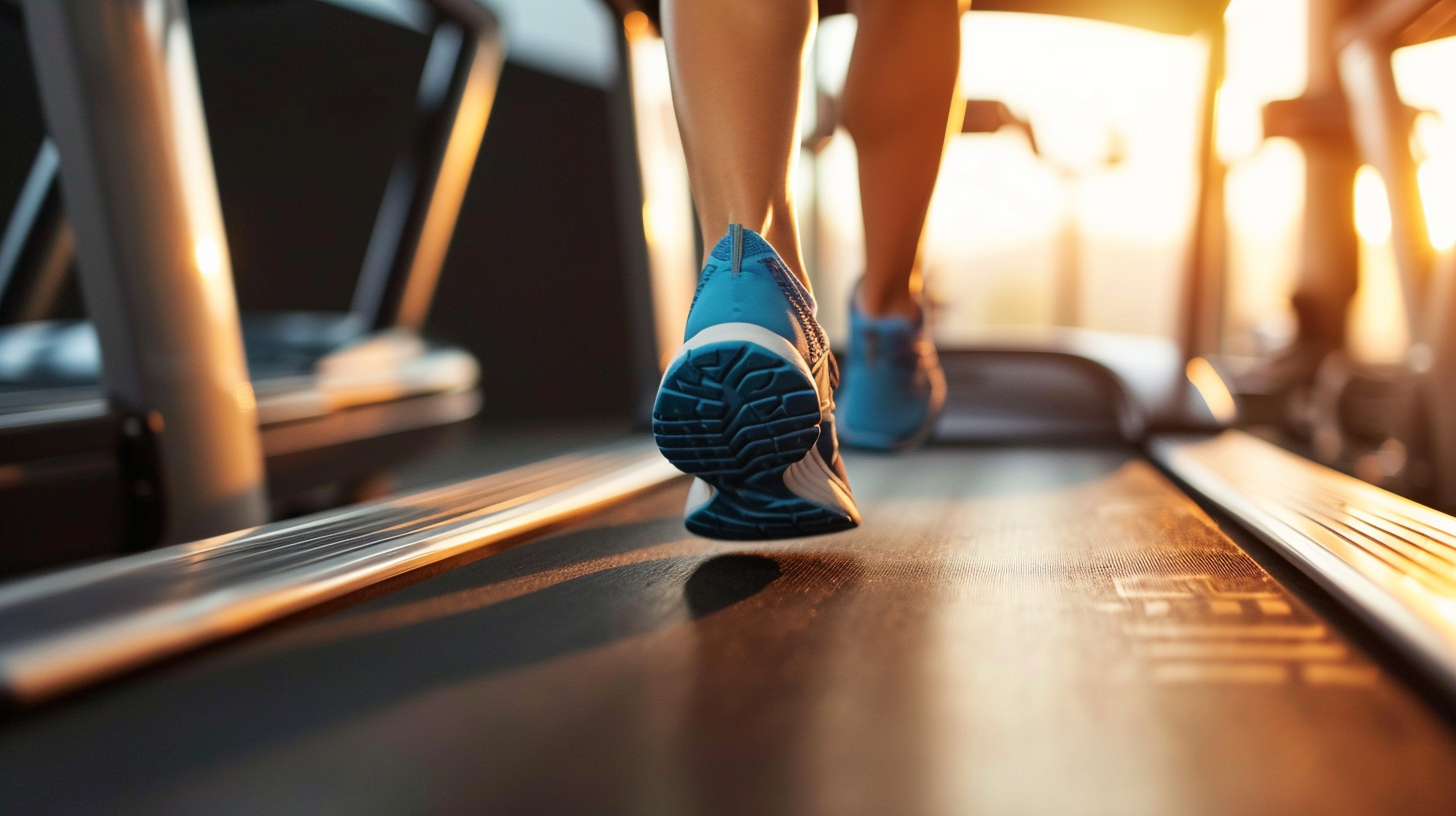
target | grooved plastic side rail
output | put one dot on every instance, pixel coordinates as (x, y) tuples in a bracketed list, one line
[(1389, 558), (64, 630)]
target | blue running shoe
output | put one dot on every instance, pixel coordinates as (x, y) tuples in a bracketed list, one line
[(894, 386), (746, 406)]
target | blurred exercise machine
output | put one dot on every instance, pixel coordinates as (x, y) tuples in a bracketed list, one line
[(1387, 423), (1086, 597), (143, 411)]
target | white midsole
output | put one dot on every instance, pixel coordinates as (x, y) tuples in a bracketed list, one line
[(698, 495), (809, 478), (747, 333)]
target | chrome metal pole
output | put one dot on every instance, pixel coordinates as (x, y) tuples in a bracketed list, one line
[(118, 85), (426, 190), (1382, 127), (1205, 266), (1329, 249)]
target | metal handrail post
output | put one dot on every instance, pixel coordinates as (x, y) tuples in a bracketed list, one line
[(118, 84), (421, 205), (1205, 266), (1382, 127), (1329, 247)]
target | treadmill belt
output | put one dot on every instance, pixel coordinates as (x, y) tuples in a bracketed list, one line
[(1011, 631)]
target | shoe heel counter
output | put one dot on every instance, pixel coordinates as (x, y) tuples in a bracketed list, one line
[(750, 296), (745, 281)]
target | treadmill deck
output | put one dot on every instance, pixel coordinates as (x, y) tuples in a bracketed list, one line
[(1011, 631)]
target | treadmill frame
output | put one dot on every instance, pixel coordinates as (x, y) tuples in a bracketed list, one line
[(192, 456), (118, 85)]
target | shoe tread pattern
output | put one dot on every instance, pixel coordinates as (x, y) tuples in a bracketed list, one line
[(737, 416)]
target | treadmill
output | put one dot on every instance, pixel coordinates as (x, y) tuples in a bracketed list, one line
[(1122, 616), (341, 394)]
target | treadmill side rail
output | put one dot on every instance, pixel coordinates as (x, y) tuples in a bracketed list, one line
[(62, 631), (1391, 560)]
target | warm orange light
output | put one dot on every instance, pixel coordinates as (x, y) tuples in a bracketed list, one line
[(1378, 331), (667, 210), (1437, 179), (1238, 130), (637, 25), (1372, 208), (1211, 388), (444, 209), (1430, 137), (1264, 193), (208, 256)]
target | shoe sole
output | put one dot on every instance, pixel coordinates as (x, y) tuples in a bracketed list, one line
[(739, 414)]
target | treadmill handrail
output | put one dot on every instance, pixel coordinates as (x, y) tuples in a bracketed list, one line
[(426, 188), (64, 630), (1390, 559), (421, 204)]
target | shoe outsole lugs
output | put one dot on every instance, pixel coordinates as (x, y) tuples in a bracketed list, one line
[(737, 415)]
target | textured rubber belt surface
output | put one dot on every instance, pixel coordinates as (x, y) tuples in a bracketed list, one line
[(1010, 631)]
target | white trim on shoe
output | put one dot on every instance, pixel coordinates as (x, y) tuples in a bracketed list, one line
[(745, 333), (811, 479), (698, 495)]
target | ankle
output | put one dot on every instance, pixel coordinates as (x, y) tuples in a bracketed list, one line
[(897, 302), (784, 238)]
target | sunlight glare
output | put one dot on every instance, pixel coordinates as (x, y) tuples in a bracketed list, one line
[(208, 256), (1372, 208), (667, 214), (1423, 75), (1213, 390), (1432, 136), (1437, 179), (1264, 205), (1267, 55), (1264, 197), (1378, 331), (1000, 213), (1240, 125)]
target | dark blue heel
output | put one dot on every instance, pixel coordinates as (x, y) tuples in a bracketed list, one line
[(737, 415)]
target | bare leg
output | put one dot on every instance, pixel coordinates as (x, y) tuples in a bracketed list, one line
[(899, 98), (736, 66)]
